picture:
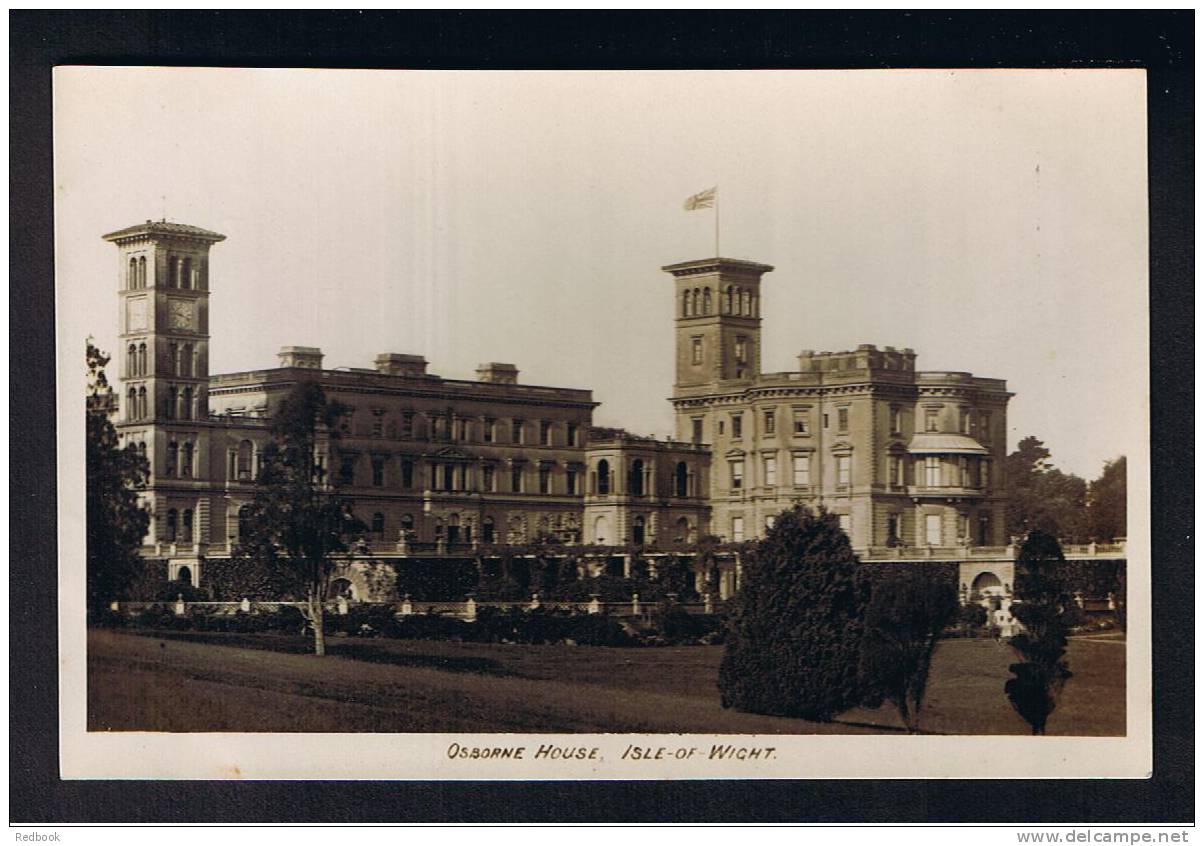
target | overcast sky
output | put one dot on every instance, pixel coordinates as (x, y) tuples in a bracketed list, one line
[(993, 221)]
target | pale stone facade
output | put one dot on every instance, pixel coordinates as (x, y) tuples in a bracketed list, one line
[(905, 458)]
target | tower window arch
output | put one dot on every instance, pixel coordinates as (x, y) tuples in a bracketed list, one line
[(186, 404), (685, 304), (186, 532), (635, 478), (186, 460), (131, 360), (171, 524), (746, 303), (186, 273), (173, 451), (727, 306), (172, 399), (696, 303), (706, 300), (142, 271), (141, 403), (603, 477), (131, 409), (142, 359), (186, 360), (173, 357), (131, 275)]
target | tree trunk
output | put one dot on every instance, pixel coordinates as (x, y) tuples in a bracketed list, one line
[(315, 616)]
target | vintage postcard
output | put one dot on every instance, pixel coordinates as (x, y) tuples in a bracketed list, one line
[(602, 425)]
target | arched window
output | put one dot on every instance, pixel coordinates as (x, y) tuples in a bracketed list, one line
[(131, 360), (746, 304), (681, 479), (186, 360), (173, 451), (142, 449), (696, 302), (171, 524), (186, 405), (706, 300), (186, 526), (685, 304), (141, 403), (635, 478), (174, 275), (637, 531), (131, 408), (184, 575), (186, 460), (727, 300), (603, 477), (131, 277), (407, 522), (602, 530), (142, 359), (172, 399), (756, 306), (173, 358), (186, 273), (244, 461), (487, 530), (244, 520), (378, 523), (683, 530), (142, 271)]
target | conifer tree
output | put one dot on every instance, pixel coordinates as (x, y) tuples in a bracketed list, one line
[(796, 631)]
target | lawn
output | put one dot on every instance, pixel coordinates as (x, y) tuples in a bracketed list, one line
[(180, 681)]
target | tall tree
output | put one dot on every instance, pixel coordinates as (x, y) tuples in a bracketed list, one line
[(116, 522), (795, 633), (1041, 497), (1107, 500), (297, 523), (1042, 610), (909, 608)]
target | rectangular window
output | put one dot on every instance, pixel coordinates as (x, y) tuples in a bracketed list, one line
[(696, 427), (963, 422), (407, 424), (771, 472), (460, 429), (846, 524), (516, 431), (802, 470), (897, 465), (545, 433), (843, 469), (932, 529), (737, 426), (984, 473), (347, 469), (696, 351), (407, 474), (842, 420), (741, 349), (800, 421), (932, 471), (378, 471), (771, 422), (487, 478), (964, 471), (721, 427), (892, 529), (825, 420), (984, 425), (378, 427), (545, 480), (737, 475), (931, 423), (737, 529), (516, 479), (570, 482), (487, 432), (571, 434), (896, 420)]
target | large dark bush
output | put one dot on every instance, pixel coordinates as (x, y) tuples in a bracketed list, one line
[(793, 644)]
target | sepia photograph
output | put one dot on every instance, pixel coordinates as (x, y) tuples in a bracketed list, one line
[(603, 424)]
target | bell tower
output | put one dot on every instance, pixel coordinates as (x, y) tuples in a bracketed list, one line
[(718, 317)]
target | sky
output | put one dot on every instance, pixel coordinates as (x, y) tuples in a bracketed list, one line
[(994, 221)]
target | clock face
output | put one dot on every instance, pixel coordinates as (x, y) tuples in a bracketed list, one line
[(135, 315), (181, 314)]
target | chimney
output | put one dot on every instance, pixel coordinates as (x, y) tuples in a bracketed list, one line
[(497, 372), (401, 364), (307, 357)]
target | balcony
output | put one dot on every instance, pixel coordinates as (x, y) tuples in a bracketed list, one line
[(945, 492)]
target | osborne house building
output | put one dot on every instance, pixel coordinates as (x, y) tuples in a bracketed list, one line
[(910, 461)]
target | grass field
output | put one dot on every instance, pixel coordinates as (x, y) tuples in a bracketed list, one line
[(175, 681)]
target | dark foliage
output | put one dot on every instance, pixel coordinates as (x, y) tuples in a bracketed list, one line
[(909, 608), (436, 580), (971, 620), (792, 648), (1042, 611), (1107, 499), (115, 522)]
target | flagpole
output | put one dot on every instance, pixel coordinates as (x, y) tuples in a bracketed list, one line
[(716, 221)]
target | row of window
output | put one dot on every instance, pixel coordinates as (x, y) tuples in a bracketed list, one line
[(964, 471), (451, 427), (734, 300), (178, 404), (739, 349), (801, 423), (639, 481), (933, 528), (181, 360), (181, 273)]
